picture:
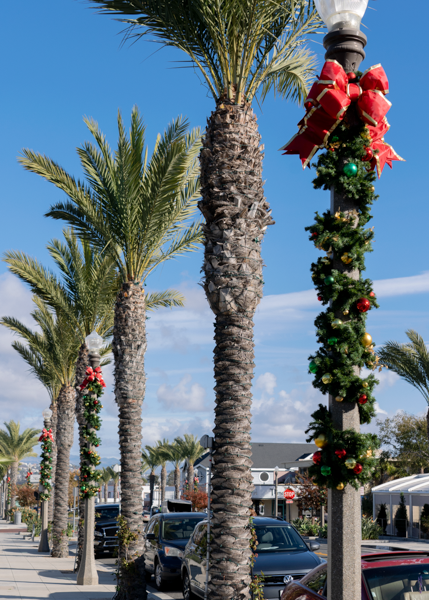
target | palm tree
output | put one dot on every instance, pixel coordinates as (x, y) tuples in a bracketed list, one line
[(138, 212), (410, 361), (115, 477), (58, 347), (162, 448), (105, 478), (191, 451), (150, 460), (176, 456), (14, 447), (243, 49)]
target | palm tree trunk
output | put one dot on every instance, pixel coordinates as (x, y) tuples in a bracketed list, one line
[(115, 490), (163, 482), (81, 366), (237, 215), (66, 413), (106, 492), (190, 477), (151, 487), (129, 347), (13, 482), (177, 482), (54, 420)]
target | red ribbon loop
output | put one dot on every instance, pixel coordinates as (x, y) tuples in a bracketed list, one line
[(326, 104)]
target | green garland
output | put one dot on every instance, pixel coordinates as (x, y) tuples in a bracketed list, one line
[(344, 343), (89, 476), (46, 464)]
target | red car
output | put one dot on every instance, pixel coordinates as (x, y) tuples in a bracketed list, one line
[(385, 576)]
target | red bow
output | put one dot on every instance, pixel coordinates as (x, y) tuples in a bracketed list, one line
[(45, 435), (91, 375), (327, 103)]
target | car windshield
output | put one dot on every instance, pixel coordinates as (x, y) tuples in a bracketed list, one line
[(277, 538), (178, 529), (404, 582), (110, 512)]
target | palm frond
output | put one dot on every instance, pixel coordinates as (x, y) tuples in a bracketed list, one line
[(166, 299)]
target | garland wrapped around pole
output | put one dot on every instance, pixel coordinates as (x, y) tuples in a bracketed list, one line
[(46, 463)]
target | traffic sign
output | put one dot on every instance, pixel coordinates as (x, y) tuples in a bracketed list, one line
[(289, 501), (34, 478), (289, 494)]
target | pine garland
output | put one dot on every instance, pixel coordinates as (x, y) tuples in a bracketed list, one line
[(344, 343), (46, 463)]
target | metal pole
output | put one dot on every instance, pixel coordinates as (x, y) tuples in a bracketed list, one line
[(344, 524), (209, 518), (75, 489), (44, 541), (276, 502), (87, 574)]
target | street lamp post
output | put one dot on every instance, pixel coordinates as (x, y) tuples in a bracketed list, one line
[(117, 469), (276, 484), (87, 574), (207, 442), (344, 43), (44, 541)]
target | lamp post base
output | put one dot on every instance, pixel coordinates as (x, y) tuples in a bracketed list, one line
[(87, 574), (44, 542)]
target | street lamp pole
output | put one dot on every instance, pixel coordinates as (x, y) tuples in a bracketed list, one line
[(344, 43), (276, 484), (207, 442), (44, 541), (87, 574)]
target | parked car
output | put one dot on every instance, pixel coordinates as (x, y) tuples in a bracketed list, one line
[(281, 552), (385, 576), (106, 528), (166, 537)]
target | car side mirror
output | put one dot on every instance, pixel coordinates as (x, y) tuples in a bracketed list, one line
[(314, 546), (150, 536)]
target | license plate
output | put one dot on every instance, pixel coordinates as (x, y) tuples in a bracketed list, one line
[(280, 593)]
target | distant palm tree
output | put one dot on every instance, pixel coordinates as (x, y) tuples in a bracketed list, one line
[(106, 477), (410, 361), (151, 460), (14, 447), (138, 211), (243, 49), (176, 456), (58, 346), (115, 477), (162, 448), (191, 450)]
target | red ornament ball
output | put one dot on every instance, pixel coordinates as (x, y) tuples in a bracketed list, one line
[(371, 295), (332, 149), (369, 155), (317, 457), (358, 469), (95, 401), (351, 76), (363, 304), (363, 399), (314, 234), (320, 298), (341, 453)]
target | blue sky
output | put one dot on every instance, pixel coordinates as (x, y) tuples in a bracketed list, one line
[(62, 61)]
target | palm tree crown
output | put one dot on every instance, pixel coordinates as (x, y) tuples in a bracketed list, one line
[(14, 446)]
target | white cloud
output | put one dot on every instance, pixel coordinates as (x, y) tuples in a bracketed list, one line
[(266, 382), (182, 397), (378, 410), (399, 286)]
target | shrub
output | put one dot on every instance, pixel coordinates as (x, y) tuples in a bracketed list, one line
[(371, 530), (401, 518)]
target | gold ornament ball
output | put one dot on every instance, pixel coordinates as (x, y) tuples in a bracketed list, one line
[(365, 385), (336, 323), (339, 398), (368, 453), (350, 463), (346, 312), (327, 378), (346, 258), (321, 440), (340, 486), (372, 188), (366, 340)]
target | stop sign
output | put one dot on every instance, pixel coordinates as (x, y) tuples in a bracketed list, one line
[(289, 494)]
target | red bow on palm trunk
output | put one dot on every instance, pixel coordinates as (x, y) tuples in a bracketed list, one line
[(91, 375), (327, 103)]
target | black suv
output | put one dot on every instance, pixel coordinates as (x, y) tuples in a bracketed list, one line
[(166, 537), (106, 528), (281, 552)]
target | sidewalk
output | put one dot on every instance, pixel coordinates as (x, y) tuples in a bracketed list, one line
[(395, 545), (28, 574)]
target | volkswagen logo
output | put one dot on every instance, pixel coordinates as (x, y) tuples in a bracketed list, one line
[(287, 579)]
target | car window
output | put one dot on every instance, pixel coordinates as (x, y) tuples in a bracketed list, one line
[(399, 581), (277, 538), (179, 529), (152, 525), (316, 579), (110, 512)]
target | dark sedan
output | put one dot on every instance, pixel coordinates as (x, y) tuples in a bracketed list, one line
[(106, 528), (385, 576), (281, 552)]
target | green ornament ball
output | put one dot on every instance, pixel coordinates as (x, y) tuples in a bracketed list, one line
[(325, 470), (313, 366), (332, 341), (350, 169), (335, 138), (329, 280)]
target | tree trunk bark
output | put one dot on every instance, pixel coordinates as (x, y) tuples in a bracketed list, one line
[(13, 482), (129, 347), (81, 366), (190, 477), (237, 216), (115, 490), (163, 482), (106, 493), (66, 413), (177, 482), (54, 420)]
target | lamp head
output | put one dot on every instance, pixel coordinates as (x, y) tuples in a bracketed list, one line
[(341, 14), (94, 341), (47, 414)]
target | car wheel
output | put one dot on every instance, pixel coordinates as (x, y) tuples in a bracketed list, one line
[(159, 581), (186, 588)]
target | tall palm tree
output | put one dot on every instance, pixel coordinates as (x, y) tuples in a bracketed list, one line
[(105, 478), (58, 346), (410, 361), (14, 447), (162, 448), (191, 450), (115, 477), (137, 211), (176, 456), (243, 49), (151, 461)]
